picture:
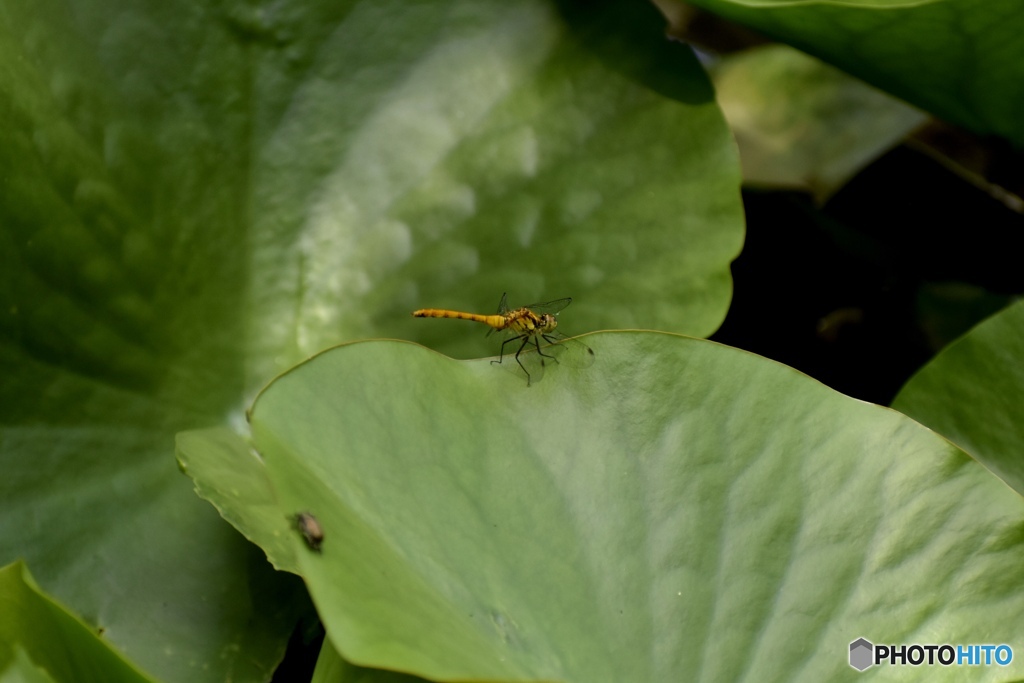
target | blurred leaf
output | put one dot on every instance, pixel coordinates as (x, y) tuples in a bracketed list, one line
[(31, 622), (21, 669), (948, 310), (802, 124), (196, 195), (331, 668), (677, 506), (958, 59), (972, 393)]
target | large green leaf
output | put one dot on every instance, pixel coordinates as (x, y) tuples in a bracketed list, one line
[(196, 195), (30, 623), (249, 503), (973, 394), (959, 59), (678, 506)]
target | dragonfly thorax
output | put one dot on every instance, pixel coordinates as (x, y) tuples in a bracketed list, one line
[(524, 320)]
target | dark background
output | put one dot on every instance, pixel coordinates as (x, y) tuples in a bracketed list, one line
[(861, 292)]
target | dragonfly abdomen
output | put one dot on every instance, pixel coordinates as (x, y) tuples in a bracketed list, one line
[(495, 321)]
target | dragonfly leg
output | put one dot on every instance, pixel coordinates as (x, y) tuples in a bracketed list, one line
[(501, 357), (537, 343), (526, 340)]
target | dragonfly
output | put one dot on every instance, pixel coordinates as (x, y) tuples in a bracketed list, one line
[(527, 324)]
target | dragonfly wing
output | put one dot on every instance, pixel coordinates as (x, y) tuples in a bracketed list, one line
[(568, 350), (551, 307), (503, 304)]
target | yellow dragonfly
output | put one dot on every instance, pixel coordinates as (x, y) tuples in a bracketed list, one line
[(528, 324)]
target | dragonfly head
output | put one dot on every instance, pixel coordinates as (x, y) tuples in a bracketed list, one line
[(548, 322)]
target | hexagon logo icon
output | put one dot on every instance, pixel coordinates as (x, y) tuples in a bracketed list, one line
[(861, 651)]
